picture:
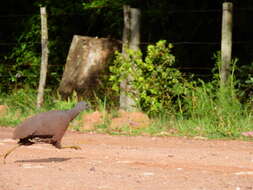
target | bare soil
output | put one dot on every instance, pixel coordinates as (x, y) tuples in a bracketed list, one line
[(127, 163)]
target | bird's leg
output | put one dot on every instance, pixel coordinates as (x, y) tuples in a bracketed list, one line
[(57, 144), (10, 151)]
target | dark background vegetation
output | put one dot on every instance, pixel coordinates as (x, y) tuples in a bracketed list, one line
[(194, 28)]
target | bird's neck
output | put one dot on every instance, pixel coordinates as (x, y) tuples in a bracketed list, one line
[(73, 113)]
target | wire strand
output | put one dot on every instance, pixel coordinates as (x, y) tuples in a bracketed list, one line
[(169, 12)]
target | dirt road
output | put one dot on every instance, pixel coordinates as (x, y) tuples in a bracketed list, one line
[(127, 163)]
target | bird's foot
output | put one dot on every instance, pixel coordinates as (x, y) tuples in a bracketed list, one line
[(73, 147), (9, 151)]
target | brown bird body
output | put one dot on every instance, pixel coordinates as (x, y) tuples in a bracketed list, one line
[(48, 127)]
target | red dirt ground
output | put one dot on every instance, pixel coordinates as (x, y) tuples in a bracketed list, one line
[(127, 163)]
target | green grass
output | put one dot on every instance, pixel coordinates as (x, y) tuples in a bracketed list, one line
[(206, 113), (22, 104)]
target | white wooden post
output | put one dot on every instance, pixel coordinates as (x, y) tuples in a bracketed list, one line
[(44, 56), (135, 29), (131, 40), (226, 42), (125, 45)]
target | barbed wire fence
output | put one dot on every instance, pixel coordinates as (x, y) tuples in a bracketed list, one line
[(12, 44)]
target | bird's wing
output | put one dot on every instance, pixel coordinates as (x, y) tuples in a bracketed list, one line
[(27, 127)]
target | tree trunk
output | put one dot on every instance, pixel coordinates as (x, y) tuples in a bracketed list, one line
[(87, 58)]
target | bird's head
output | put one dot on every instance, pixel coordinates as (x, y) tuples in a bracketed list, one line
[(82, 106)]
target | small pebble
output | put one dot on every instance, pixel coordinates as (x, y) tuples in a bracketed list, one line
[(92, 169), (124, 161), (148, 174)]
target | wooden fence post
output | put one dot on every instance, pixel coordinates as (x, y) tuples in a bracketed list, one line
[(125, 45), (135, 29), (131, 40), (44, 56), (226, 42)]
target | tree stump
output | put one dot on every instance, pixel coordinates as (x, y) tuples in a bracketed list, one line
[(87, 58)]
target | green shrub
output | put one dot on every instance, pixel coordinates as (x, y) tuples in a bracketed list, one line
[(155, 81)]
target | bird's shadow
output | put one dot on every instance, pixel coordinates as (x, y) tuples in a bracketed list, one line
[(47, 160)]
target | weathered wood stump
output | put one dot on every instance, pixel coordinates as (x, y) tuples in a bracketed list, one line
[(87, 58)]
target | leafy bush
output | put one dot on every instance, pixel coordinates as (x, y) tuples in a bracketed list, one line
[(25, 58), (155, 82), (244, 75)]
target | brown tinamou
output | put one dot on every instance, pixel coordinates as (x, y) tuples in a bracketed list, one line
[(48, 127)]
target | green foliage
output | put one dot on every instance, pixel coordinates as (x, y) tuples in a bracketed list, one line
[(244, 75), (178, 105), (59, 104), (22, 104), (25, 58), (155, 81), (22, 67), (194, 107), (98, 4), (103, 95), (23, 100), (214, 111)]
